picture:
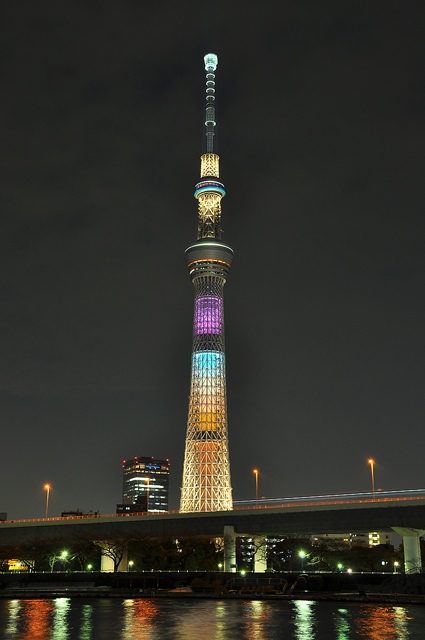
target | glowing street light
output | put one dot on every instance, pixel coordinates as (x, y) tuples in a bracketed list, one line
[(147, 493), (372, 462), (396, 565), (130, 564), (302, 556), (256, 483), (47, 488)]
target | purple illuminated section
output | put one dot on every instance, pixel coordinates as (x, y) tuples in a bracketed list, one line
[(208, 315)]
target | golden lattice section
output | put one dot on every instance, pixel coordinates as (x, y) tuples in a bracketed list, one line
[(209, 215), (210, 165)]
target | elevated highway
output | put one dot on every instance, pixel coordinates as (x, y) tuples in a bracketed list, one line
[(406, 516)]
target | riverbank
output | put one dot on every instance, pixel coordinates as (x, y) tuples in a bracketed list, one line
[(373, 588)]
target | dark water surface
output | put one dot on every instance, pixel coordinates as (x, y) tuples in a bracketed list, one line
[(142, 619)]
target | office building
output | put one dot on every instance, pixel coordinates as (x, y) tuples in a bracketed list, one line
[(145, 485)]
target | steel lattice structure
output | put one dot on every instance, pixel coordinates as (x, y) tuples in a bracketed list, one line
[(206, 474)]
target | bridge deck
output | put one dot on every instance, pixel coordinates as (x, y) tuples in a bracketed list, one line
[(305, 518)]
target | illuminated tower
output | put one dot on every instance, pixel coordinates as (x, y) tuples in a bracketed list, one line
[(206, 472)]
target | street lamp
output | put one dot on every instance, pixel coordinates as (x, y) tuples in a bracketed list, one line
[(302, 556), (396, 565), (372, 462), (256, 484), (47, 488), (147, 493), (130, 564)]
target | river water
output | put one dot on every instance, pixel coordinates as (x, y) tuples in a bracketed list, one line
[(144, 619)]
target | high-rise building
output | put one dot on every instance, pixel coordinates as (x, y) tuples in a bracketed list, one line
[(372, 539), (206, 474), (145, 485)]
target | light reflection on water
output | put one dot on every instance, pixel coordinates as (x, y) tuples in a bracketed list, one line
[(38, 617), (60, 614), (12, 614), (86, 624), (138, 618), (386, 622), (257, 613), (143, 619), (304, 620), (342, 624)]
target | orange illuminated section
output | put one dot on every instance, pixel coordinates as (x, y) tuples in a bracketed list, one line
[(209, 261)]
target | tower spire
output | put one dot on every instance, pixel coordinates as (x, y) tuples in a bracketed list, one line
[(209, 191), (211, 62), (206, 473)]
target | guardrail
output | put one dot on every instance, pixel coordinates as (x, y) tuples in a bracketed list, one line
[(283, 505)]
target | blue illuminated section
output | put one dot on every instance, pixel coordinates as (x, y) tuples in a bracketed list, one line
[(210, 189), (210, 362)]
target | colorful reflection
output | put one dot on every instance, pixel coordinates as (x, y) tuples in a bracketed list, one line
[(147, 619), (35, 620), (257, 614), (378, 623), (401, 618), (138, 618), (208, 316)]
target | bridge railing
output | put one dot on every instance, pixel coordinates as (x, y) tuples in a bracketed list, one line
[(283, 505)]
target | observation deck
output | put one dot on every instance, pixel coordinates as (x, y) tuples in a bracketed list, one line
[(209, 257)]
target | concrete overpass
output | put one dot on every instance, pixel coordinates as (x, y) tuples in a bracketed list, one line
[(405, 516)]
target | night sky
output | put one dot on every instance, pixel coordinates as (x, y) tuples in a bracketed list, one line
[(321, 125)]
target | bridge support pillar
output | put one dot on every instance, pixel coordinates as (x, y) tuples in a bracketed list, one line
[(260, 557), (106, 563), (411, 547), (229, 549), (107, 556)]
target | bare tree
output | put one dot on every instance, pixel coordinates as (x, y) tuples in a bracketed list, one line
[(114, 548)]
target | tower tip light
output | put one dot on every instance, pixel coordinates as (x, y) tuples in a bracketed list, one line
[(211, 62)]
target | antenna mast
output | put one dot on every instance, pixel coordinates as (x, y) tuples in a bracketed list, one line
[(211, 62), (209, 192)]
